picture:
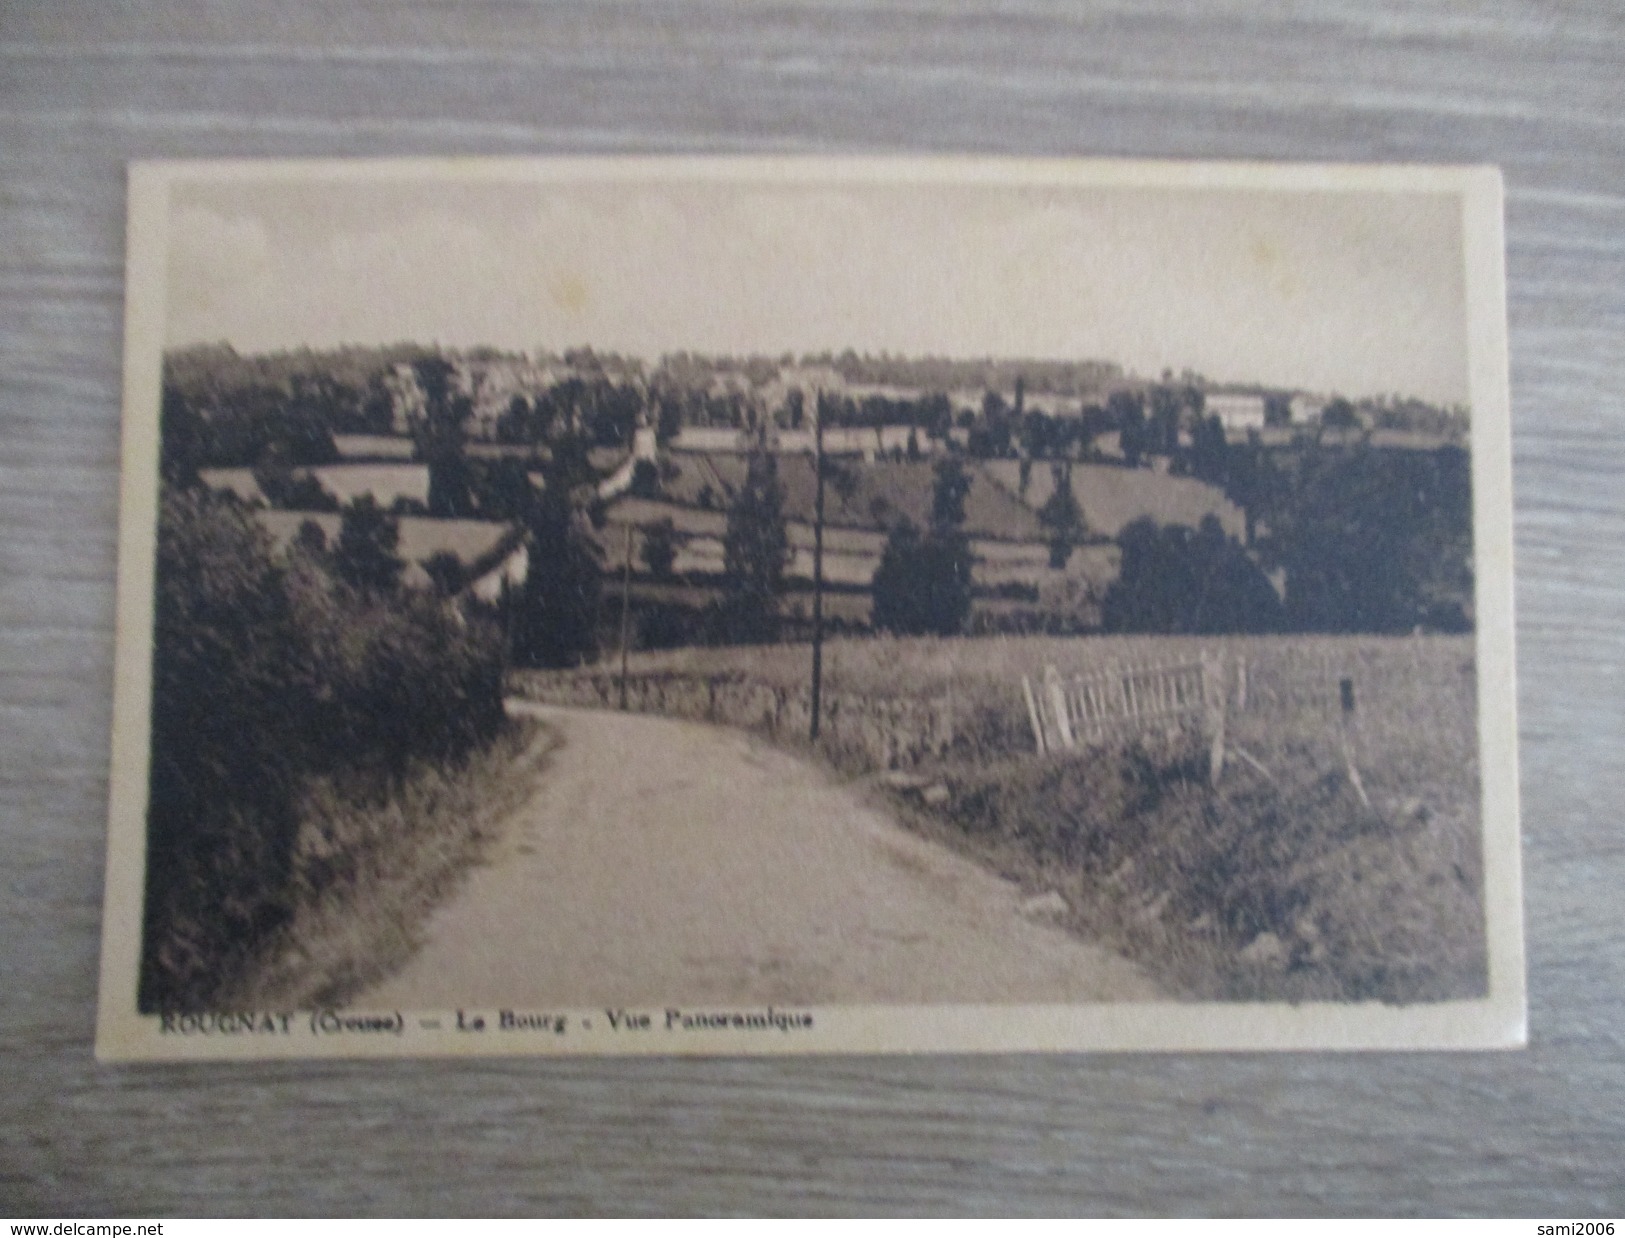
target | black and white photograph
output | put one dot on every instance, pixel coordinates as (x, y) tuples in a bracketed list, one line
[(789, 605)]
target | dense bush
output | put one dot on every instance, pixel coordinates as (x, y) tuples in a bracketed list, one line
[(1376, 541), (1177, 580), (269, 673), (249, 427), (923, 582), (556, 621), (756, 551)]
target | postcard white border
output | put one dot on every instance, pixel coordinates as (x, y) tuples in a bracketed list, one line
[(1498, 1021)]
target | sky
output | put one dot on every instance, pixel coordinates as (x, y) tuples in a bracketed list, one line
[(1337, 292)]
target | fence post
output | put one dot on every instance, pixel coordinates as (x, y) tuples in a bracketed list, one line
[(1214, 694), (1034, 717), (1241, 685), (1057, 696), (1345, 692)]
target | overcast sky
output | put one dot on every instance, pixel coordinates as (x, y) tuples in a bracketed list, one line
[(1356, 293)]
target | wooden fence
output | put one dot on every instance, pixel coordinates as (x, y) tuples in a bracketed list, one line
[(1072, 711)]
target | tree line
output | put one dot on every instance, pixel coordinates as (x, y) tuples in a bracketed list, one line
[(1338, 539), (1346, 538)]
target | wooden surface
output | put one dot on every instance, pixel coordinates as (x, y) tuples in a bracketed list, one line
[(1535, 87)]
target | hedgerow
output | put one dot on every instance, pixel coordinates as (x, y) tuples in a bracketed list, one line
[(271, 674)]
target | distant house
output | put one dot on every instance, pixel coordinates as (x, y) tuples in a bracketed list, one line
[(1047, 402), (1306, 408), (807, 379), (1236, 411)]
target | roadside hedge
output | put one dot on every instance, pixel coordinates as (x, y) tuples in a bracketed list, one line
[(270, 672)]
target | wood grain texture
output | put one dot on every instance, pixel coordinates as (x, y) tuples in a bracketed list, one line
[(1535, 87)]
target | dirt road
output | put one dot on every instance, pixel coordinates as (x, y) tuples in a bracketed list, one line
[(663, 860)]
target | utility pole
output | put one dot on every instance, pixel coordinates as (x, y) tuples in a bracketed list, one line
[(626, 607), (818, 562)]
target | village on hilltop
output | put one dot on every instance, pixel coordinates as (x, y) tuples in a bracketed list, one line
[(1059, 459)]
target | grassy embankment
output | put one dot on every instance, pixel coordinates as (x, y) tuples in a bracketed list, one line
[(369, 870), (1279, 883)]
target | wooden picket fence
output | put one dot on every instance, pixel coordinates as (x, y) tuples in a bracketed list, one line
[(1077, 710)]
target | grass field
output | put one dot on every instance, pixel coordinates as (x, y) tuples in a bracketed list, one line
[(882, 491), (1279, 883), (851, 555), (1113, 497), (385, 482), (384, 447), (421, 537)]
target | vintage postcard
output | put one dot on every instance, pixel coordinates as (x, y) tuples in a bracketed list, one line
[(773, 606)]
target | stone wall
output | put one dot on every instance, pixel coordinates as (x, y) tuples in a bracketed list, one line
[(859, 733)]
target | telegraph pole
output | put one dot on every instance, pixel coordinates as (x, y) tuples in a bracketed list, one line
[(626, 604), (818, 562)]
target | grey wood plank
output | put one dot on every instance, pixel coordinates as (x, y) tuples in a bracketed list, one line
[(1535, 87)]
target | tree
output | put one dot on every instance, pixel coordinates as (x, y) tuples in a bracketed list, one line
[(556, 620), (612, 415), (1062, 516), (500, 489), (936, 413), (1210, 451), (365, 555), (755, 552), (221, 818), (446, 573), (377, 411), (311, 541), (923, 582), (439, 438), (1176, 580), (645, 479), (1039, 435), (514, 424), (660, 548), (297, 492), (841, 478), (1093, 421), (268, 674), (1376, 541), (1163, 431), (948, 494), (668, 417), (304, 431), (183, 439), (991, 437), (1127, 412), (1339, 415)]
